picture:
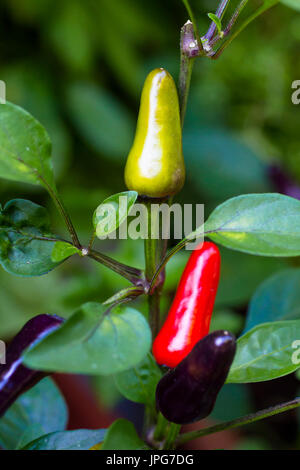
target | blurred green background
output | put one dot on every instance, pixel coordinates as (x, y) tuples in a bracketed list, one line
[(79, 68)]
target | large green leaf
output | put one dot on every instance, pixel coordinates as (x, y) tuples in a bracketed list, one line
[(278, 298), (94, 341), (114, 210), (39, 411), (26, 243), (139, 383), (262, 224), (266, 352), (30, 85), (122, 435), (100, 119), (292, 3), (25, 148), (80, 439)]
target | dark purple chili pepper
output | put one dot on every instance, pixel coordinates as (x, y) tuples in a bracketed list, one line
[(188, 392), (15, 378)]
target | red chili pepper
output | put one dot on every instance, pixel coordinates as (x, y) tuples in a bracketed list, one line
[(189, 317)]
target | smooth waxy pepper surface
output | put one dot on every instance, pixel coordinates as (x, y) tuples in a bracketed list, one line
[(189, 317), (188, 392), (15, 378), (155, 165)]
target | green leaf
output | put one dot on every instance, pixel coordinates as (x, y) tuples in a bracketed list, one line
[(26, 243), (122, 435), (266, 352), (39, 411), (62, 251), (25, 148), (101, 120), (292, 3), (80, 439), (216, 20), (94, 341), (112, 212), (139, 383), (261, 224), (278, 298), (30, 85)]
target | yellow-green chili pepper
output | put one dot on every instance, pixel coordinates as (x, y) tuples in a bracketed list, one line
[(155, 165)]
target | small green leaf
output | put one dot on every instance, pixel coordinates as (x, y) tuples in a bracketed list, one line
[(39, 411), (26, 243), (277, 298), (139, 383), (122, 435), (216, 20), (266, 352), (94, 341), (25, 148), (112, 212), (261, 224), (80, 439), (62, 251)]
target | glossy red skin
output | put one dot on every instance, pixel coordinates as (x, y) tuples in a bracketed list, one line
[(189, 317)]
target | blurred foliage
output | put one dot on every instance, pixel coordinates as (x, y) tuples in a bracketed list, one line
[(79, 68)]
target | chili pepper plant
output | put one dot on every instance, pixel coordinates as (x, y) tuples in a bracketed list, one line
[(172, 363)]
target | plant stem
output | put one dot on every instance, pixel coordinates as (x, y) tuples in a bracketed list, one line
[(61, 209), (231, 23), (173, 432), (194, 24), (135, 276), (160, 429), (235, 16), (188, 50), (153, 248), (127, 294), (235, 423)]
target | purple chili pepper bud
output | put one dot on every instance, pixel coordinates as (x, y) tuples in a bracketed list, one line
[(15, 378), (188, 392)]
